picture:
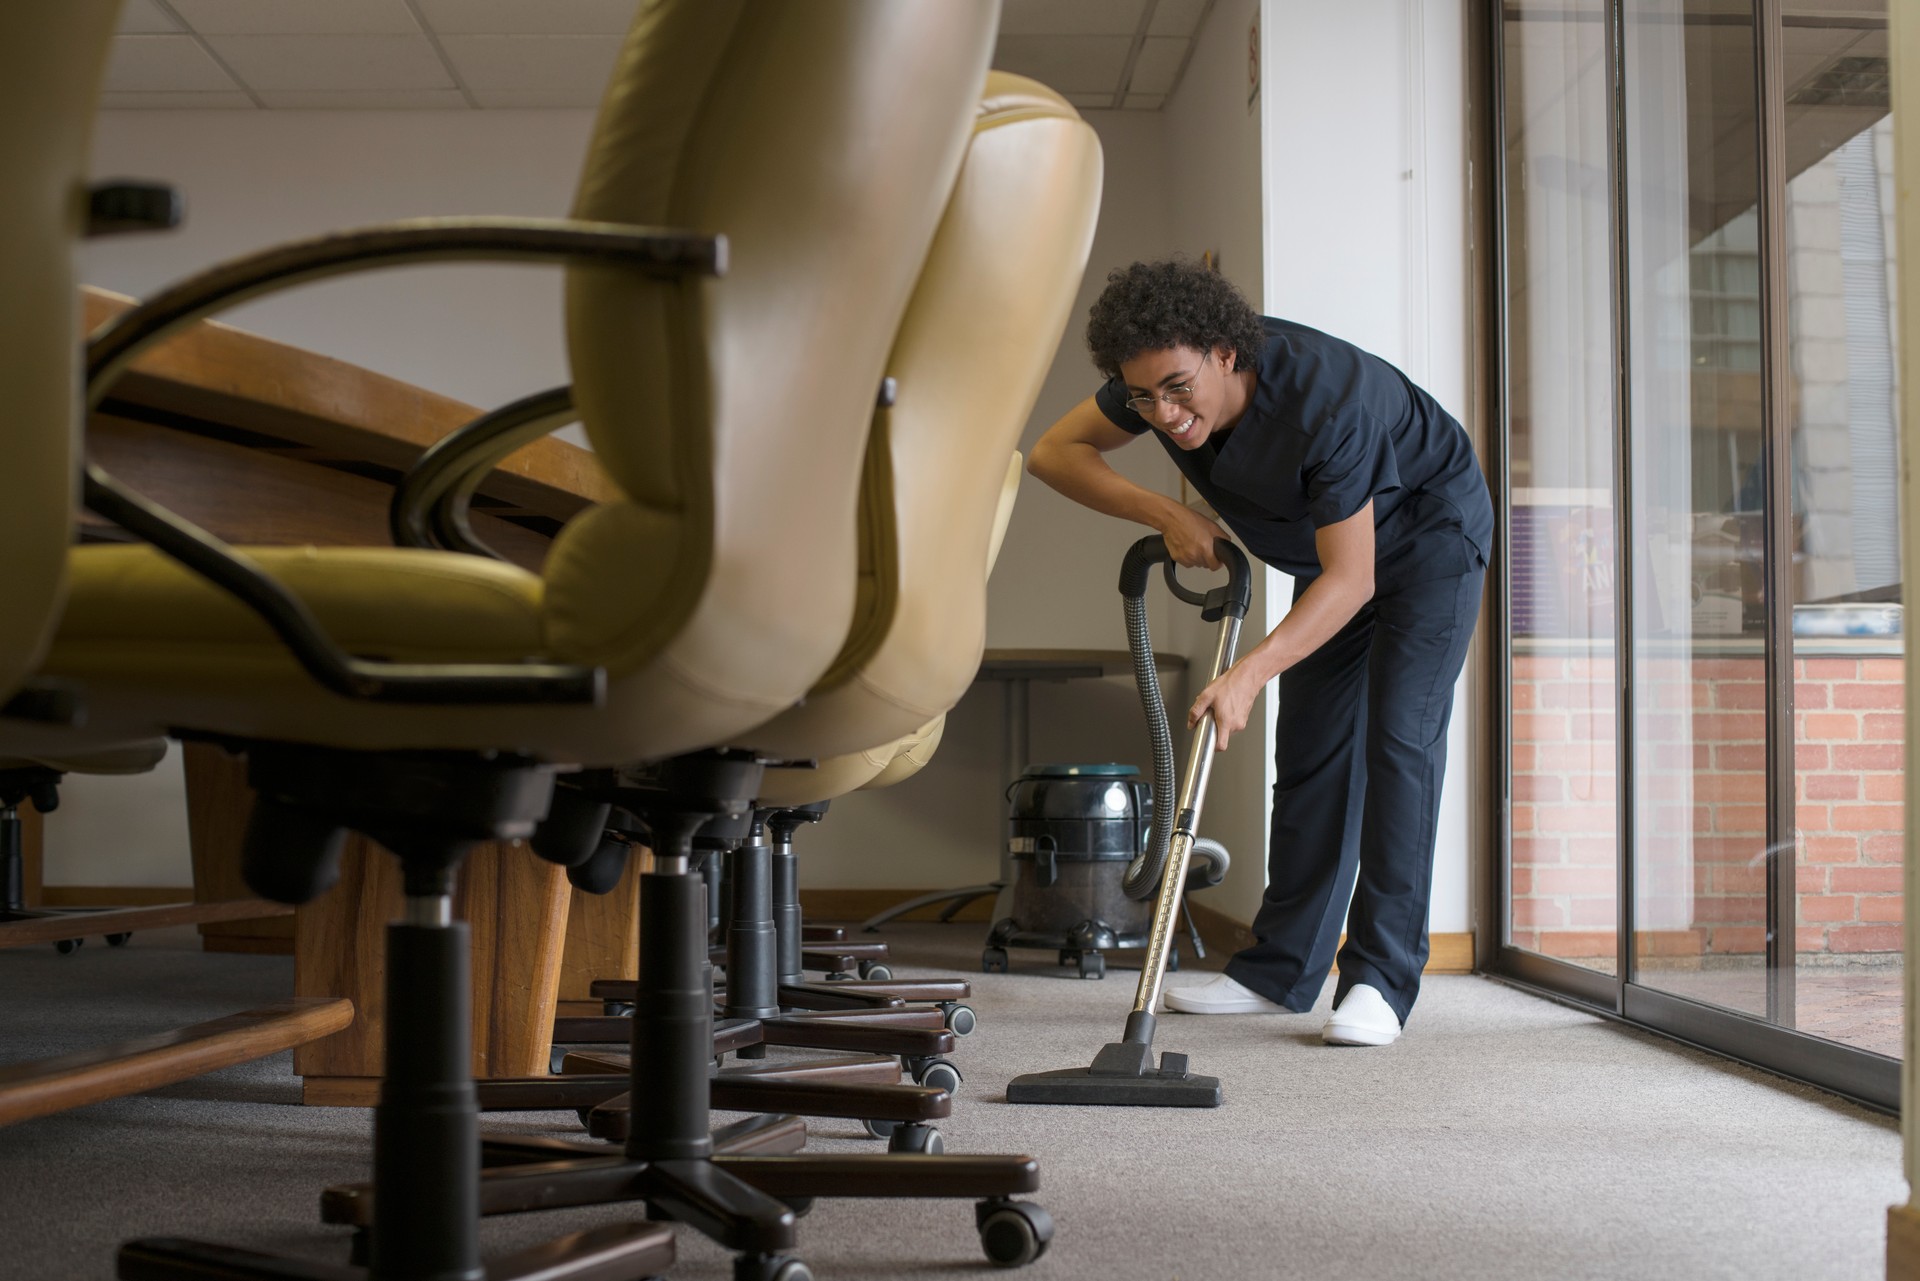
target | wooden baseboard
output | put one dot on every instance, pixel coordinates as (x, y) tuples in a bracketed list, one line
[(858, 905), (114, 895), (1903, 1243), (1447, 953)]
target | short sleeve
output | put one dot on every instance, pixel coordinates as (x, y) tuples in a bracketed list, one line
[(1349, 460), (1112, 400)]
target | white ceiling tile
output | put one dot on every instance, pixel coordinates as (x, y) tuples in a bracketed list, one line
[(1070, 17), (541, 64), (141, 17), (1177, 17), (163, 63), (233, 100), (297, 17), (529, 17), (1090, 101), (285, 64), (1066, 64), (1144, 101), (1157, 65), (367, 100), (538, 99)]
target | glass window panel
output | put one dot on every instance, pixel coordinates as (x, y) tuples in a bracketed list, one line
[(1562, 861), (1698, 661), (1848, 688)]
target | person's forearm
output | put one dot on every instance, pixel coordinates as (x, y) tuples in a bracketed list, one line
[(1079, 472), (1328, 604)]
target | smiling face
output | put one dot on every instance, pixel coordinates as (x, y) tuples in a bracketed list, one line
[(1205, 381)]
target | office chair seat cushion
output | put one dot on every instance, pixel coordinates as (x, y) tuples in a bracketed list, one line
[(394, 603)]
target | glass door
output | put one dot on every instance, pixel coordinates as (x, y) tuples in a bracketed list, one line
[(1703, 588)]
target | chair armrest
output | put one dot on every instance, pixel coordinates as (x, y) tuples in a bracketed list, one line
[(430, 504), (665, 253)]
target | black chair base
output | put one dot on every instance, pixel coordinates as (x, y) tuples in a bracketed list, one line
[(428, 809), (744, 1202)]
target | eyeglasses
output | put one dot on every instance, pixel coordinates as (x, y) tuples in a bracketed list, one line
[(1178, 394)]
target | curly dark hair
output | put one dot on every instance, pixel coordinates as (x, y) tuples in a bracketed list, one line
[(1151, 306)]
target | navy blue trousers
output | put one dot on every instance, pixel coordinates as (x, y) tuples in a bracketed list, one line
[(1359, 752)]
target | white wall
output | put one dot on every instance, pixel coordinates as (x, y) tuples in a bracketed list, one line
[(1365, 156), (484, 334), (1214, 164)]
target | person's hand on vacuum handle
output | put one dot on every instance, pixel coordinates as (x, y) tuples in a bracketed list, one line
[(1230, 698), (1067, 457), (1190, 536)]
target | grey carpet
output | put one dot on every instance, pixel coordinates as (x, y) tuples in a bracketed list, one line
[(1503, 1136)]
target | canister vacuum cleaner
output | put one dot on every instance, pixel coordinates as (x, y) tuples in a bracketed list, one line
[(1123, 1072)]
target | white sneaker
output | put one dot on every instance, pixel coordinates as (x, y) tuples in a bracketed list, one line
[(1363, 1017), (1220, 995)]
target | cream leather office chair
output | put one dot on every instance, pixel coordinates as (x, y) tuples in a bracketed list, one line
[(986, 317), (821, 139), (51, 61)]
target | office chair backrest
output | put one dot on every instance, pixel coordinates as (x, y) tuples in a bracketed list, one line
[(976, 343), (822, 139), (51, 60), (901, 759)]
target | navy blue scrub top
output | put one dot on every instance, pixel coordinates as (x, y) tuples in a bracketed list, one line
[(1329, 427)]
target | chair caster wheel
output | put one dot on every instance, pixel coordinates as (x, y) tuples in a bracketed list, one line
[(876, 971), (119, 940), (921, 1140), (961, 1020), (993, 960), (880, 1129), (1093, 965), (801, 1206), (1013, 1233), (1069, 958), (66, 947), (941, 1074), (586, 1117), (617, 1009), (1173, 962), (770, 1267), (838, 976)]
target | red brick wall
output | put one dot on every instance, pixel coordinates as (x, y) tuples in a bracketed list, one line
[(1701, 805)]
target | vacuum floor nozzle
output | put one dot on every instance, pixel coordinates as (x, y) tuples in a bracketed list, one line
[(1122, 1075)]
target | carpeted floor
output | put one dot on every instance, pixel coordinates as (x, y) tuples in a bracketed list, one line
[(1503, 1136)]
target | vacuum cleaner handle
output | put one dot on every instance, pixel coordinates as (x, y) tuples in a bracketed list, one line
[(1234, 598)]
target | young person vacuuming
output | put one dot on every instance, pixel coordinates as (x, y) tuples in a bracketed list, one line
[(1330, 465)]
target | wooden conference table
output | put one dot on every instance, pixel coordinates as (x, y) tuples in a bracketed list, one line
[(260, 442)]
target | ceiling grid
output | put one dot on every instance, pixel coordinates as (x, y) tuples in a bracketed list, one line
[(492, 54)]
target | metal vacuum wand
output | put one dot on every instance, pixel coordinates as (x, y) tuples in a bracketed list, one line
[(1123, 1073)]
